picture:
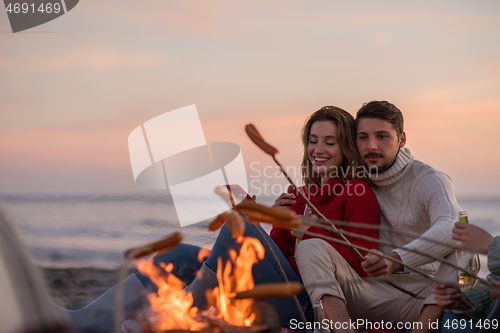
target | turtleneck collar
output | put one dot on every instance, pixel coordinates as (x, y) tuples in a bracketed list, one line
[(396, 171)]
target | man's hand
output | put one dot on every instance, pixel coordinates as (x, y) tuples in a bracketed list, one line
[(375, 265), (448, 296), (472, 237)]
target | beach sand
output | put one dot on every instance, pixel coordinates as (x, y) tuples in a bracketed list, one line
[(73, 288)]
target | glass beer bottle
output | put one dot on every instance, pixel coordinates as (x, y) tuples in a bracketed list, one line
[(320, 320), (466, 259)]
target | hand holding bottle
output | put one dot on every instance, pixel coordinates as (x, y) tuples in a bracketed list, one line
[(472, 237)]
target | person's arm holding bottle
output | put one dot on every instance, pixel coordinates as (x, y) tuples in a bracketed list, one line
[(480, 241)]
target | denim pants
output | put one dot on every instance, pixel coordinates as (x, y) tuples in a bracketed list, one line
[(185, 260)]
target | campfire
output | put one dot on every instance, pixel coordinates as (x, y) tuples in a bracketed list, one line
[(231, 305), (171, 305)]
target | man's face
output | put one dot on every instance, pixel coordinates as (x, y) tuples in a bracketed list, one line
[(378, 143)]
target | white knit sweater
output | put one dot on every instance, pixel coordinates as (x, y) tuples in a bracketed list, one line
[(417, 198)]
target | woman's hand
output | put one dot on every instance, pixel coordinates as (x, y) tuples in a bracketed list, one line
[(298, 232), (284, 201), (472, 237), (448, 296)]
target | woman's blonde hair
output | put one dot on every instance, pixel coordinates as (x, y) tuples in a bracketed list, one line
[(346, 139)]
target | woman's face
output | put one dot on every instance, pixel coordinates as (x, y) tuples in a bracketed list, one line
[(323, 150)]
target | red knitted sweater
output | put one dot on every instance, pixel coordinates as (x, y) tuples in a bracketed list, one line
[(352, 202)]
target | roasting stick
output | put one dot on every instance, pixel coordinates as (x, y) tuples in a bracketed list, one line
[(295, 299), (163, 244), (402, 233), (384, 279), (266, 147), (379, 241), (254, 209), (259, 141), (416, 270)]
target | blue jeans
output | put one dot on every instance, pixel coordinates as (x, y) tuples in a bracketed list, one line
[(457, 323), (185, 260)]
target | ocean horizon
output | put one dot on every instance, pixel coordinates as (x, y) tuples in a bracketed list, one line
[(93, 230)]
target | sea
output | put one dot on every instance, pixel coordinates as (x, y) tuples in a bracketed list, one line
[(94, 230)]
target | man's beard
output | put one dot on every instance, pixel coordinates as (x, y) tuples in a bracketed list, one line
[(379, 169), (382, 168)]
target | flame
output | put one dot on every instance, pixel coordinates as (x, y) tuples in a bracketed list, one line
[(237, 276), (171, 306), (203, 255), (171, 301)]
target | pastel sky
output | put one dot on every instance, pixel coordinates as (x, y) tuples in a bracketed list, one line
[(73, 89)]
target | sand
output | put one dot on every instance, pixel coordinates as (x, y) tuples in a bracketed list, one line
[(73, 288)]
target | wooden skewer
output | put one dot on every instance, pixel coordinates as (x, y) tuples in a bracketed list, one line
[(260, 142), (453, 244), (390, 229), (425, 254), (256, 135), (416, 270), (385, 279)]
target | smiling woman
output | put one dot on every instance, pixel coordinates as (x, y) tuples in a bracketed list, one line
[(330, 150), (329, 171), (323, 151)]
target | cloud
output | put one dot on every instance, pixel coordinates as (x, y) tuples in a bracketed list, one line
[(96, 59)]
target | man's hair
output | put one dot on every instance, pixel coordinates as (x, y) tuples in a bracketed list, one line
[(382, 110)]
